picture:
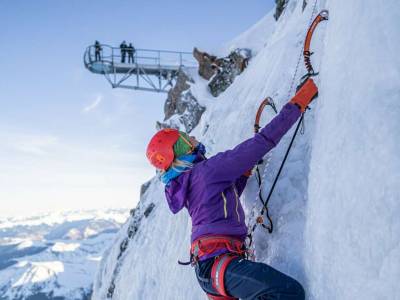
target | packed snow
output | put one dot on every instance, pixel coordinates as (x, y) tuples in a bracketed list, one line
[(336, 205), (65, 247), (39, 260), (39, 272), (353, 232)]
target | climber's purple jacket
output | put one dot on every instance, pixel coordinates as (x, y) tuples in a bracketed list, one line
[(210, 190)]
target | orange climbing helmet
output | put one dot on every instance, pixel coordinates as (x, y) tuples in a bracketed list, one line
[(160, 150)]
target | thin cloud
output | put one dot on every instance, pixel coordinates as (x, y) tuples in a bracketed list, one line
[(65, 174), (93, 105), (28, 143)]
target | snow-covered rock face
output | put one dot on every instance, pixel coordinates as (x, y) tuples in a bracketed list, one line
[(280, 7), (182, 110), (142, 264), (54, 256), (206, 62), (227, 68), (336, 205)]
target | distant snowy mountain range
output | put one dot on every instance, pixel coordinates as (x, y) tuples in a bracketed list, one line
[(55, 255)]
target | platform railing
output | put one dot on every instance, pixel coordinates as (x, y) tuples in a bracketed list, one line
[(113, 55)]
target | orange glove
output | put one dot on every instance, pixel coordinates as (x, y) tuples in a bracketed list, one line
[(248, 173), (306, 93)]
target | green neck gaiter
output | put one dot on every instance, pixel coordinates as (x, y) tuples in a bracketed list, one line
[(181, 146)]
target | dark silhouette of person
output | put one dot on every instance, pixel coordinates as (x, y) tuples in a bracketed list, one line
[(124, 49), (97, 51), (131, 53)]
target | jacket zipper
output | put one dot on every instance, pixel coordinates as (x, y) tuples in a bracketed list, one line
[(237, 202), (225, 201)]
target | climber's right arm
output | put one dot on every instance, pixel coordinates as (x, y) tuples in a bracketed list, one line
[(229, 165)]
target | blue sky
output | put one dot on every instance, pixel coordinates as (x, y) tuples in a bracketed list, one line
[(67, 140)]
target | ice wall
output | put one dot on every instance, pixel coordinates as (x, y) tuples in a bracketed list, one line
[(353, 228)]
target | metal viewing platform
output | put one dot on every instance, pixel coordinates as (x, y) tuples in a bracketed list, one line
[(141, 69)]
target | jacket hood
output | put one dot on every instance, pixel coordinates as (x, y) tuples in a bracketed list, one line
[(176, 191)]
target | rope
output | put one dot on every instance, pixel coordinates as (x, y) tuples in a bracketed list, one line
[(265, 208), (259, 178), (267, 101)]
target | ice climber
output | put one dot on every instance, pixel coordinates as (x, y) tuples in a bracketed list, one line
[(210, 189)]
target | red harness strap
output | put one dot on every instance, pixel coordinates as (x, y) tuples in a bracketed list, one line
[(213, 297), (211, 244), (218, 274), (208, 245)]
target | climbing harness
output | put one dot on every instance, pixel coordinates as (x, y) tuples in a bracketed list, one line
[(214, 297), (205, 246), (322, 16), (229, 249), (209, 245), (218, 274)]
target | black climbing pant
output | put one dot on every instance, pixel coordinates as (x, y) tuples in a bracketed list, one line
[(250, 280)]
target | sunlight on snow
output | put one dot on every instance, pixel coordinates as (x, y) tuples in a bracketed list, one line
[(39, 272), (65, 247)]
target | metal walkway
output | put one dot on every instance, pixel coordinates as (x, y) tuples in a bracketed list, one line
[(147, 70)]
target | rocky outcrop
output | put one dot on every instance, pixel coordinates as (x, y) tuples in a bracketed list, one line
[(182, 110), (227, 69), (304, 5), (206, 63), (144, 187), (173, 104), (280, 7)]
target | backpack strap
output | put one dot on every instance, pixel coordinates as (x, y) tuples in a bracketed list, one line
[(218, 273)]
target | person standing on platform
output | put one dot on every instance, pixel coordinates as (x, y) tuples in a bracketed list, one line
[(124, 49), (131, 53), (97, 51)]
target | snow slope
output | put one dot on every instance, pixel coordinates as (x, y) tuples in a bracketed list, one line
[(54, 256), (335, 207)]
